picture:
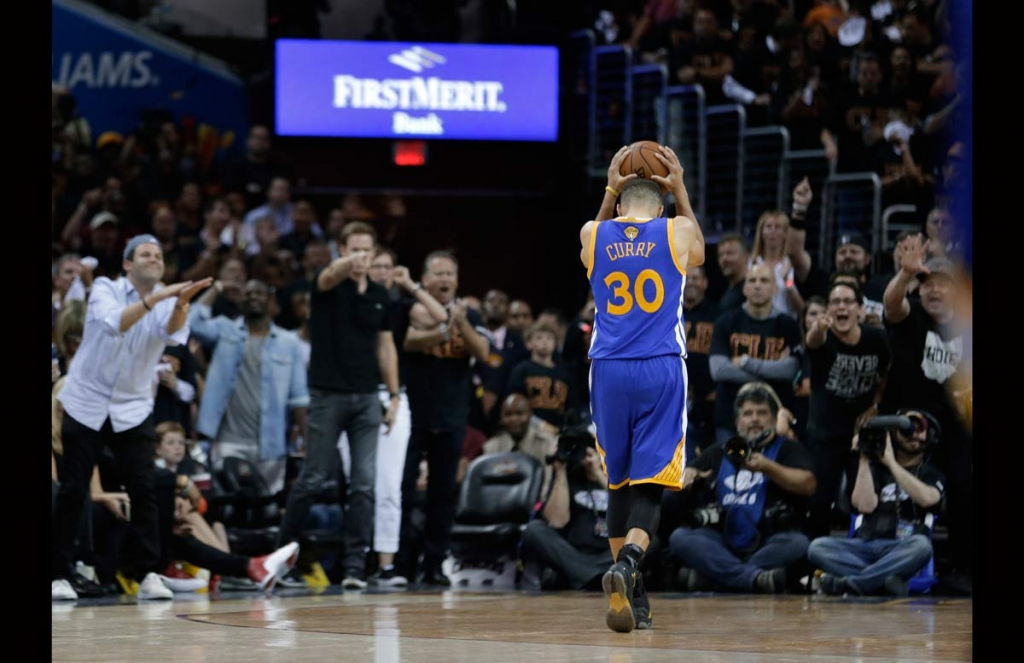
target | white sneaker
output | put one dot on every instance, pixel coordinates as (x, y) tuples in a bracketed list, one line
[(61, 590), (267, 570), (152, 588)]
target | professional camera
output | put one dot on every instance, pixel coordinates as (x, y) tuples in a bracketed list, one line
[(872, 434), (572, 445), (738, 449), (705, 516)]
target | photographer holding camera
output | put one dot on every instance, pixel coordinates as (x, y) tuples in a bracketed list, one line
[(761, 482), (895, 489), (571, 535)]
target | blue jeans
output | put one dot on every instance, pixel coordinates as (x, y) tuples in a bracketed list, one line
[(706, 551), (864, 565)]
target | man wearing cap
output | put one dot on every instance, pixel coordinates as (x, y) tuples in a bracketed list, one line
[(853, 254), (108, 401), (927, 346)]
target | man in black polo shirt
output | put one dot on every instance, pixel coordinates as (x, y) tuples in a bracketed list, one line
[(353, 350), (437, 367)]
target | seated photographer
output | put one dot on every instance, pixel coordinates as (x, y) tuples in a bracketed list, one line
[(896, 487), (759, 483), (571, 535)]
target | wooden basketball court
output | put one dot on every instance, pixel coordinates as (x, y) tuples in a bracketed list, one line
[(492, 627)]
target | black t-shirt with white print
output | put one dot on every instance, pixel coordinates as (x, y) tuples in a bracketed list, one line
[(896, 508), (843, 383), (925, 356), (587, 529)]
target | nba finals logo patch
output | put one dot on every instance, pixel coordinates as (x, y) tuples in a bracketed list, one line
[(631, 233)]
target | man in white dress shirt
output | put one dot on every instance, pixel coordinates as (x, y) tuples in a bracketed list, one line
[(108, 401)]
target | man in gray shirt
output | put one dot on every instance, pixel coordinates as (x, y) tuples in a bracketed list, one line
[(257, 373)]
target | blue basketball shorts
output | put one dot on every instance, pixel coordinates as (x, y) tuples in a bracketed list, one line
[(639, 408)]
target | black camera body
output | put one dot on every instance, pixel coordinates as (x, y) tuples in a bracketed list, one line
[(871, 440), (738, 449), (572, 446)]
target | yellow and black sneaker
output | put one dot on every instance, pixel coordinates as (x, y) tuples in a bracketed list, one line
[(618, 583), (641, 604)]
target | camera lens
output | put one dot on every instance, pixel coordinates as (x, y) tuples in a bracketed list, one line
[(737, 450)]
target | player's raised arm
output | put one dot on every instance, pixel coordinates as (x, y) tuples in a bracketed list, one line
[(687, 235)]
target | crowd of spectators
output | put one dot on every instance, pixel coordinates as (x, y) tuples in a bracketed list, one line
[(874, 84)]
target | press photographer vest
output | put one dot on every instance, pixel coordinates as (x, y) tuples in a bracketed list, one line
[(743, 495)]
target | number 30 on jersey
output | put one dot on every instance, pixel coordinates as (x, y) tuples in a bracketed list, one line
[(622, 299)]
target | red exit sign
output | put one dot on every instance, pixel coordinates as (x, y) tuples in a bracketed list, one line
[(410, 153)]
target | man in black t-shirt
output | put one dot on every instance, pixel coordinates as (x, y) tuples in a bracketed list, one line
[(437, 363), (897, 493), (352, 351), (753, 342), (849, 362), (571, 535), (759, 496), (928, 343)]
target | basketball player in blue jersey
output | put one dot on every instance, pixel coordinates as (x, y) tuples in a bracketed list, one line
[(637, 265)]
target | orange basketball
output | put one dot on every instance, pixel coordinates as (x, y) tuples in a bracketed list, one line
[(641, 160)]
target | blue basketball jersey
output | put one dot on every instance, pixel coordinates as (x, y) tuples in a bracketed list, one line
[(638, 290)]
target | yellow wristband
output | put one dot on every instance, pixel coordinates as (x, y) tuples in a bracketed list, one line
[(612, 191)]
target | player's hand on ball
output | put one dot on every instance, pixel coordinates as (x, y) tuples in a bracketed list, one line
[(616, 180), (675, 169)]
